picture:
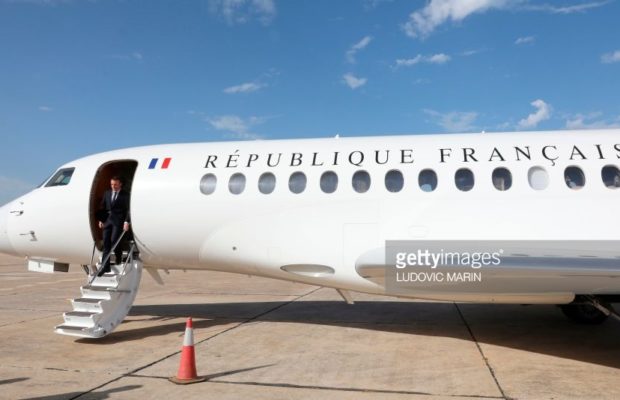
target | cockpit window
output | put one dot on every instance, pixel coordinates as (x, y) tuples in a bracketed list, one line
[(44, 182), (61, 178)]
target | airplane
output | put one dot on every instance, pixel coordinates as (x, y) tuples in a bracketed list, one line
[(363, 214)]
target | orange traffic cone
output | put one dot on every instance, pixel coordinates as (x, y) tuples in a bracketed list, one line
[(187, 368)]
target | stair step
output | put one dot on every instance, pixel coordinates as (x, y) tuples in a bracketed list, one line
[(80, 314), (111, 273), (88, 304), (107, 280), (81, 318), (87, 300), (116, 268), (94, 292), (79, 331), (103, 289), (71, 328)]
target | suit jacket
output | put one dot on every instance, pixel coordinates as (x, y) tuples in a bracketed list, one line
[(115, 213)]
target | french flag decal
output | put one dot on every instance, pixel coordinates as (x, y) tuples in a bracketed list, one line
[(164, 165)]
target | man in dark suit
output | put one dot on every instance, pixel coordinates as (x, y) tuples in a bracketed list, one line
[(115, 206)]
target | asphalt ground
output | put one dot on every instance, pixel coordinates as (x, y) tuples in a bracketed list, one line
[(257, 338)]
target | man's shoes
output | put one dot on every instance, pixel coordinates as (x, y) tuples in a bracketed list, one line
[(103, 271)]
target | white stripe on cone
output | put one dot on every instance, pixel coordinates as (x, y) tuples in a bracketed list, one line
[(189, 337)]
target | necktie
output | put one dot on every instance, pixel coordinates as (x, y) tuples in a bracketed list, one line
[(114, 194)]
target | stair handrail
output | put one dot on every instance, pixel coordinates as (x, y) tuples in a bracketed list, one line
[(91, 280), (129, 259), (92, 257)]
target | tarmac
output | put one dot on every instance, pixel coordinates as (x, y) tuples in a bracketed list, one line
[(265, 339)]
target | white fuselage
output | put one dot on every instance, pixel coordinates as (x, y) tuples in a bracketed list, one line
[(300, 236)]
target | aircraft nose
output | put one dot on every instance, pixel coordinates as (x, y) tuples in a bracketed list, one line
[(5, 243)]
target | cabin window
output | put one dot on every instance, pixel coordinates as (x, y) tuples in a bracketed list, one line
[(394, 181), (361, 181), (427, 180), (574, 178), (266, 183), (611, 176), (464, 179), (502, 179), (208, 183), (538, 178), (61, 178), (236, 184), (329, 182), (297, 182)]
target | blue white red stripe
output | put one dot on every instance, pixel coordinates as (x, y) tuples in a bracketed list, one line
[(164, 165)]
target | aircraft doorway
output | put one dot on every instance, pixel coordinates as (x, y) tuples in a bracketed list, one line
[(125, 169)]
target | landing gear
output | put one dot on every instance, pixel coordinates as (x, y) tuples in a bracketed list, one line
[(588, 310), (585, 314)]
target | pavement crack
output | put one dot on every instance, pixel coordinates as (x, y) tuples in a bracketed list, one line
[(484, 357), (19, 367), (31, 319), (349, 389), (329, 388)]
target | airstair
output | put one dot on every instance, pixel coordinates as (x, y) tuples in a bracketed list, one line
[(105, 300)]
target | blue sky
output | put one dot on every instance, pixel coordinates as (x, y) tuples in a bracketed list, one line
[(80, 77)]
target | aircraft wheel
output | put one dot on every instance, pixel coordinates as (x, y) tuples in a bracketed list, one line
[(584, 313)]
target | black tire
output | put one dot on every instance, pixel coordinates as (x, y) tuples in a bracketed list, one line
[(584, 313)]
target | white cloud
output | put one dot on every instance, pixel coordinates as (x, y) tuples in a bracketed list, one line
[(454, 121), (504, 126), (591, 120), (243, 11), (542, 113), (244, 136), (357, 47), (525, 40), (236, 126), (45, 108), (554, 9), (438, 58), (353, 82), (423, 22), (468, 53), (134, 56), (11, 188), (612, 57), (408, 62), (244, 88), (433, 59)]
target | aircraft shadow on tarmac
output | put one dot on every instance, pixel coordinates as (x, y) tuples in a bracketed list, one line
[(14, 380), (539, 329), (99, 395)]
